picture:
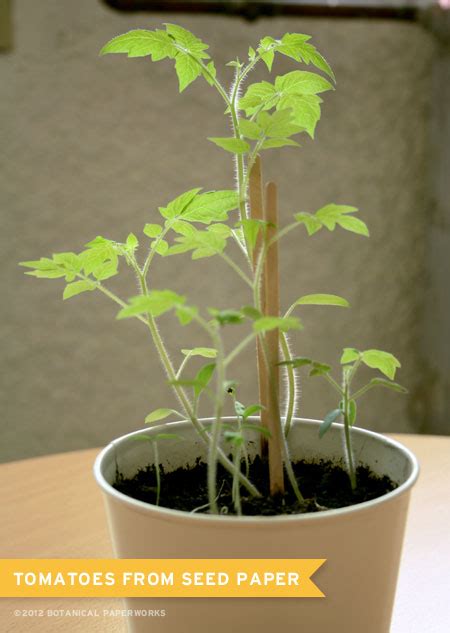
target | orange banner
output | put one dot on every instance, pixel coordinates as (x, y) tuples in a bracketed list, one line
[(181, 578)]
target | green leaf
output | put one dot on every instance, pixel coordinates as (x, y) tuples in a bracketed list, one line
[(251, 229), (330, 214), (205, 352), (258, 94), (382, 382), (226, 317), (106, 270), (355, 225), (188, 41), (177, 206), (302, 82), (231, 144), (250, 129), (274, 143), (300, 361), (251, 410), (158, 414), (251, 312), (187, 70), (328, 421), (257, 427), (266, 50), (203, 378), (77, 287), (349, 355), (305, 110), (157, 302), (70, 261), (211, 74), (284, 324), (295, 45), (167, 436), (312, 224), (212, 206), (279, 124), (186, 314), (383, 361), (152, 230), (322, 299), (141, 43), (352, 412), (319, 369), (132, 242)]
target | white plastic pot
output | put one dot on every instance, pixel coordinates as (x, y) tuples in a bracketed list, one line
[(362, 543)]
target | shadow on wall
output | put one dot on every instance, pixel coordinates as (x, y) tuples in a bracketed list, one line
[(94, 146)]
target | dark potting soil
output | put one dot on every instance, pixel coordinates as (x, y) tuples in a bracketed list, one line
[(324, 485)]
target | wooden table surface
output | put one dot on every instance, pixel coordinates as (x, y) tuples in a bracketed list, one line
[(52, 508)]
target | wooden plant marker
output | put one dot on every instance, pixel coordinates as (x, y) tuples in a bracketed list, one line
[(268, 372), (272, 308), (257, 213)]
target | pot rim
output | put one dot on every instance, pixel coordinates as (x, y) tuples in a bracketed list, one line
[(170, 514)]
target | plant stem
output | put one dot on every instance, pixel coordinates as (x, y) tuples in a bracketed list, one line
[(291, 386), (236, 268), (157, 471), (347, 435), (217, 426), (236, 494)]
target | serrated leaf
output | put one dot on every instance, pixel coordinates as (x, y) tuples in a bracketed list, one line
[(261, 94), (132, 241), (330, 214), (70, 261), (179, 204), (158, 414), (274, 143), (302, 82), (331, 417), (205, 352), (383, 361), (230, 144), (250, 129), (312, 224), (305, 110), (141, 43), (157, 302), (161, 247), (284, 324), (349, 355), (322, 300), (382, 382), (105, 270), (211, 74), (212, 206), (278, 125), (76, 288), (152, 230), (187, 40), (187, 70)]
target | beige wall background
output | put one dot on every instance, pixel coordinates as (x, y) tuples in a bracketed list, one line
[(94, 145)]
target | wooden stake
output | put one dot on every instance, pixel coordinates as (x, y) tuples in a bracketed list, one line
[(257, 213), (272, 308)]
